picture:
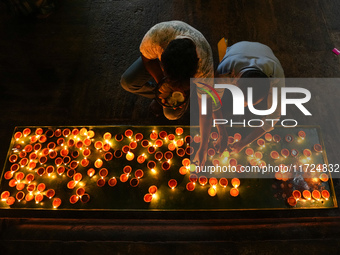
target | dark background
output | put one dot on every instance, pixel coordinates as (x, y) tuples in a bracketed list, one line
[(65, 70)]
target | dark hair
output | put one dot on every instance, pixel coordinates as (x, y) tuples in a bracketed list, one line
[(179, 59), (258, 81)]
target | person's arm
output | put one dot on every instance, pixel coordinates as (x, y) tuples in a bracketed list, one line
[(222, 141), (154, 68), (205, 122), (256, 133)]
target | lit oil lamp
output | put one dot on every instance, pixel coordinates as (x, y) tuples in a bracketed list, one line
[(193, 178), (41, 187), (223, 182), (133, 145), (180, 152), (166, 165), (145, 143), (213, 181), (112, 182), (56, 203), (74, 164), (49, 170), (250, 152), (235, 182), (212, 191), (292, 201), (316, 194), (101, 182), (139, 137), (50, 193), (323, 177), (127, 169), (163, 134), (91, 172), (98, 145), (87, 142), (78, 176), (183, 170), (261, 142), (168, 155), (325, 194), (172, 183), (317, 148), (306, 194), (10, 200), (186, 162), (158, 143), (71, 184), (8, 175), (179, 131), (13, 158), (237, 137), (5, 195), (124, 177), (234, 192), (211, 152), (285, 153), (232, 162), (158, 155), (141, 159), (151, 149), (171, 137), (153, 135), (296, 194), (29, 197), (307, 153), (80, 191), (139, 173), (171, 146), (38, 198), (57, 133), (276, 138), (60, 170), (107, 136), (147, 198), (190, 186), (152, 189), (202, 180), (130, 156), (302, 134), (74, 199), (274, 155), (20, 186), (12, 183)]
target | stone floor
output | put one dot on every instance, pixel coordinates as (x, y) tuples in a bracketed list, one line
[(65, 70)]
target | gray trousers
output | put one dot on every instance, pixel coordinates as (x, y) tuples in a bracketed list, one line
[(137, 80)]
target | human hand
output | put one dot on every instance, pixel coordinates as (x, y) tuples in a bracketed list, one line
[(237, 147), (200, 157), (222, 144)]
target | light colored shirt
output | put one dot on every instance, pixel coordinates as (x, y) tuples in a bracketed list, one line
[(244, 56), (159, 36)]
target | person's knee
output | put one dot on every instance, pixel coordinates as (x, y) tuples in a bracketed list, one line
[(125, 82)]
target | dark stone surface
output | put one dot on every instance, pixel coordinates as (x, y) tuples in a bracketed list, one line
[(65, 70)]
